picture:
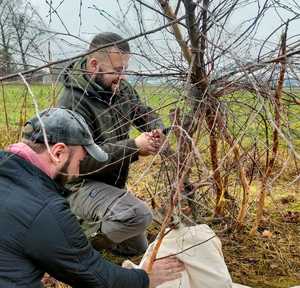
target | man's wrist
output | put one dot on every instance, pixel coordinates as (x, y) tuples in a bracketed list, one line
[(135, 150)]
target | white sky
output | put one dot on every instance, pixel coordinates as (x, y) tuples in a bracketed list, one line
[(93, 22)]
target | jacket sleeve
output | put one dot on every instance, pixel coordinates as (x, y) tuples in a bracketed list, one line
[(119, 152), (143, 117), (56, 243)]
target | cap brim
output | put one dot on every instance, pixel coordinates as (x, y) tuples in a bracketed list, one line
[(96, 152)]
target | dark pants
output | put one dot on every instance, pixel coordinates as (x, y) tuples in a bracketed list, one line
[(114, 212)]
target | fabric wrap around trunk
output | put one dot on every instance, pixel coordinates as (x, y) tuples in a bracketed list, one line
[(201, 252)]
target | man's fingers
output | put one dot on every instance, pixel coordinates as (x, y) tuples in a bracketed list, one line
[(173, 276), (174, 266), (177, 269), (174, 269), (152, 150), (165, 270), (149, 143), (170, 264), (169, 260), (154, 142)]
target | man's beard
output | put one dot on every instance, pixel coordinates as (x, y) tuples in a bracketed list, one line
[(62, 176), (99, 79)]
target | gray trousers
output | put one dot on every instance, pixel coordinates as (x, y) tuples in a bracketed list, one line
[(114, 212)]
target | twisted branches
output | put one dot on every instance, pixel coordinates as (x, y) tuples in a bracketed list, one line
[(277, 117)]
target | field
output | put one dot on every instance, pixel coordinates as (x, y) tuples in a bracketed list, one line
[(262, 261)]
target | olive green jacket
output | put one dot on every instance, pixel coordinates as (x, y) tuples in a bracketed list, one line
[(109, 118)]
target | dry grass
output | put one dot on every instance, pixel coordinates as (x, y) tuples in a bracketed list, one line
[(265, 262)]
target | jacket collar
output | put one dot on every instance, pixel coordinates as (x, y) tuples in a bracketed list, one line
[(76, 77), (25, 152), (15, 162)]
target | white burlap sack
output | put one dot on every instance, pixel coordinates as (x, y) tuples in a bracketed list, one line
[(201, 252)]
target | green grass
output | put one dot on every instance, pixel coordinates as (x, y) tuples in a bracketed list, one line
[(19, 103), (16, 105)]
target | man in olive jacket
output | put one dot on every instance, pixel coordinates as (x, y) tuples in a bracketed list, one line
[(95, 87)]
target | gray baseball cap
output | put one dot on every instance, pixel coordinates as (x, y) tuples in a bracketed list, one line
[(63, 126)]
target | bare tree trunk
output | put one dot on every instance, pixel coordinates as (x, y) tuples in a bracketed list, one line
[(213, 137), (277, 110), (173, 200), (242, 174), (5, 38)]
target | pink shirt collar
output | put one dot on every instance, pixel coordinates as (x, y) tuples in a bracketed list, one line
[(25, 152)]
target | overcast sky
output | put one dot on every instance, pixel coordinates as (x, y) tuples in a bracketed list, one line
[(93, 22)]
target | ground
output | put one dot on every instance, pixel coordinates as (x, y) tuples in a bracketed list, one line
[(271, 259)]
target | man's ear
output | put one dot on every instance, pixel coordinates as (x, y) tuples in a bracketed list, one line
[(59, 153), (93, 65)]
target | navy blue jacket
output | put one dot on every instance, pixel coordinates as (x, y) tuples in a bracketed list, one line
[(38, 234)]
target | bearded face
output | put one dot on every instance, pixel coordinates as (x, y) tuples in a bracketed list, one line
[(110, 68)]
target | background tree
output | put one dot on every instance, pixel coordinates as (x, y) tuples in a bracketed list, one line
[(225, 71), (22, 33), (6, 62), (6, 35)]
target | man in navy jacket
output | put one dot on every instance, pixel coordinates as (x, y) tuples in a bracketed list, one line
[(38, 232)]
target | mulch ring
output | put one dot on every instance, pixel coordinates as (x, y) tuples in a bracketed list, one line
[(272, 259)]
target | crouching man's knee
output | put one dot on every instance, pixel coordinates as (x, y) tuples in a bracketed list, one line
[(126, 219), (143, 217)]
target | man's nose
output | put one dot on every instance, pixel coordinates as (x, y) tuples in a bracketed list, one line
[(122, 76)]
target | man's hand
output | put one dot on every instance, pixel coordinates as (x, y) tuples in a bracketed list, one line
[(146, 145), (164, 270), (149, 143), (158, 136)]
